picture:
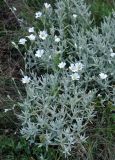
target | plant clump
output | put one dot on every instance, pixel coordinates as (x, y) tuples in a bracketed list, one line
[(68, 63)]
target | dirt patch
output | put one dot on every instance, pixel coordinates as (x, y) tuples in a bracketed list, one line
[(10, 64)]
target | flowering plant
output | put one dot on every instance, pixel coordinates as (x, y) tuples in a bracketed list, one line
[(75, 62)]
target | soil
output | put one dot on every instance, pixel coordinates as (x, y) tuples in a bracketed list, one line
[(10, 65)]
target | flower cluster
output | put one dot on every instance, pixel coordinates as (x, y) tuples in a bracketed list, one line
[(76, 68)]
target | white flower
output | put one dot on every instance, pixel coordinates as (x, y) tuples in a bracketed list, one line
[(75, 76), (73, 68), (22, 41), (47, 5), (112, 53), (74, 15), (61, 65), (99, 95), (26, 79), (76, 67), (103, 75), (39, 53), (57, 39), (14, 9), (43, 35), (80, 66), (32, 37), (31, 30), (38, 14)]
